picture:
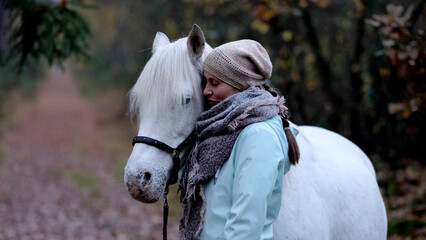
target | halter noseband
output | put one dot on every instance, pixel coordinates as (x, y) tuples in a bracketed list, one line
[(175, 152)]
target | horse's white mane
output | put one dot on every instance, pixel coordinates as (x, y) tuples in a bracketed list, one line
[(161, 82)]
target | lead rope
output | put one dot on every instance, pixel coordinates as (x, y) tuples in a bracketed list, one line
[(165, 212)]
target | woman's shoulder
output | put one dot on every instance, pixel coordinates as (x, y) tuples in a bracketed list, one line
[(267, 128), (262, 140), (273, 125)]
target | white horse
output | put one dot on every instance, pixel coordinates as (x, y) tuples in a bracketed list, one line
[(331, 194)]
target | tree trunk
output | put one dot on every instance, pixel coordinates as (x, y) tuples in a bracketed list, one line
[(4, 19), (324, 70), (356, 122), (418, 9)]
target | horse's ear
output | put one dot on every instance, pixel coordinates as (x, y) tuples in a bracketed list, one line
[(196, 42), (159, 41)]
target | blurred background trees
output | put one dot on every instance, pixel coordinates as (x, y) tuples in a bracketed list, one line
[(353, 66)]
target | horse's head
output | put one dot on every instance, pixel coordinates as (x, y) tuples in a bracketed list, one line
[(166, 99)]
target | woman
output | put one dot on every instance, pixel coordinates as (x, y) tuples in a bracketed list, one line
[(232, 184)]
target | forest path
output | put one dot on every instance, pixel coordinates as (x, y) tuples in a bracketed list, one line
[(56, 177)]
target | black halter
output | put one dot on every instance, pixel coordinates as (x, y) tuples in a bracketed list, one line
[(175, 152)]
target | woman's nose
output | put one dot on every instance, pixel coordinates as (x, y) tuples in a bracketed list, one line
[(207, 91)]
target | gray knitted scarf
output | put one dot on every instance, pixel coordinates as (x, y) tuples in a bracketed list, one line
[(217, 130)]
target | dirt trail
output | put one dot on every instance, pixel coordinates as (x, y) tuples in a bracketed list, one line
[(56, 180)]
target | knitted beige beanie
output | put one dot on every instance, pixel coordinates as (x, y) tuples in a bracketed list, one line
[(241, 64)]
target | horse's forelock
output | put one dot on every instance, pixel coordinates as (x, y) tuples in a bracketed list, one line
[(161, 83)]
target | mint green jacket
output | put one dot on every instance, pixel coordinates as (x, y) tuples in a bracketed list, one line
[(244, 198)]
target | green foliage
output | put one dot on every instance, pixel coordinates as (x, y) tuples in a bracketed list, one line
[(37, 30)]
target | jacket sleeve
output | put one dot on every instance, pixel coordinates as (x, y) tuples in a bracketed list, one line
[(258, 155)]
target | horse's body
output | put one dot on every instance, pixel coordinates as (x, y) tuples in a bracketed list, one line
[(331, 194)]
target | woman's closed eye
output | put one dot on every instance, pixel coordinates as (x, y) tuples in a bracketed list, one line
[(213, 82)]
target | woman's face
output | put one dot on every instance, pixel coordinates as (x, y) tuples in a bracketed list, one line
[(217, 90)]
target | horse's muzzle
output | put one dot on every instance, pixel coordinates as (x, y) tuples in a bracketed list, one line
[(142, 187)]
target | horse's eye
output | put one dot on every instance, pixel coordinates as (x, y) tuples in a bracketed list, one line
[(187, 100)]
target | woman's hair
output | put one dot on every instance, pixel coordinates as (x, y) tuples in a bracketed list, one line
[(293, 147)]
